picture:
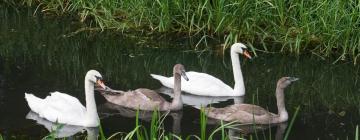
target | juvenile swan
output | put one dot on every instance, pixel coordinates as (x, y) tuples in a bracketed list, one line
[(206, 85), (247, 113), (65, 109), (146, 99)]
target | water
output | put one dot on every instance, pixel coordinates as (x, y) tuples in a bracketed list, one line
[(40, 55)]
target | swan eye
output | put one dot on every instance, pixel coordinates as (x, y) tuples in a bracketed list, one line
[(98, 78)]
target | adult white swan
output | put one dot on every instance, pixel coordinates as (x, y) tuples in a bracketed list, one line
[(65, 109), (206, 85)]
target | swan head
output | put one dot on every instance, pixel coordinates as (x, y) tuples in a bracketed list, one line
[(286, 81), (95, 77), (241, 49), (180, 69)]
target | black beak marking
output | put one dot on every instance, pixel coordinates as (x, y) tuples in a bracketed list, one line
[(98, 78), (183, 74)]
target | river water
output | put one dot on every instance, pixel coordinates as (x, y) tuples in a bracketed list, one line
[(41, 54)]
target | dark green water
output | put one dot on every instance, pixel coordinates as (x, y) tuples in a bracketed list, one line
[(40, 55)]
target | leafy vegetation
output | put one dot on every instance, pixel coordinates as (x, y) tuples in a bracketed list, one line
[(222, 132), (322, 27)]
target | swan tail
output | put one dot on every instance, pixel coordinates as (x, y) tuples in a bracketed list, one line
[(34, 102), (197, 107), (163, 80), (32, 115)]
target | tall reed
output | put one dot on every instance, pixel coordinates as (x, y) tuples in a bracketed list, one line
[(322, 27)]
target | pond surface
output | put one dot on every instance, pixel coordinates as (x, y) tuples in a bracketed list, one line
[(40, 55)]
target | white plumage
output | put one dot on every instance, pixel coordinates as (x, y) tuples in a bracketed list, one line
[(200, 84), (65, 109), (58, 107), (203, 84)]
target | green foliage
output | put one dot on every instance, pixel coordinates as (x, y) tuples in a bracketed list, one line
[(203, 120), (102, 135), (52, 134), (323, 27), (291, 123), (357, 133)]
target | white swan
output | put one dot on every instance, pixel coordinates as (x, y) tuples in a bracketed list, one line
[(200, 101), (206, 85), (65, 109)]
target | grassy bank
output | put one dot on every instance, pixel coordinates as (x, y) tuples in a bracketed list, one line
[(322, 27)]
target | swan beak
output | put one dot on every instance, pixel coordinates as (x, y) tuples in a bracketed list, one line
[(101, 84), (247, 54), (183, 74), (292, 79)]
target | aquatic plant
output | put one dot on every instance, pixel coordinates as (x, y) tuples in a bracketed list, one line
[(322, 27), (357, 132), (291, 123), (53, 132)]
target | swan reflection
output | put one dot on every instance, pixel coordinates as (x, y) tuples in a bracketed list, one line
[(63, 130), (109, 109)]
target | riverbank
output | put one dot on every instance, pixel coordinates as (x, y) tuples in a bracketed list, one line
[(324, 28)]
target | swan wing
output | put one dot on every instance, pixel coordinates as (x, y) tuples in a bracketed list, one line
[(143, 99), (150, 94), (199, 84), (251, 109), (220, 113), (196, 100), (58, 107), (248, 113), (243, 113)]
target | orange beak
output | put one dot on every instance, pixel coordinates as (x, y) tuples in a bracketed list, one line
[(101, 84), (247, 54)]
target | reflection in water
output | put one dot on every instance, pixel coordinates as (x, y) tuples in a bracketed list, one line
[(200, 101), (109, 109), (237, 130), (62, 131)]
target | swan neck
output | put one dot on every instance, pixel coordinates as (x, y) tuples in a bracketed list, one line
[(177, 124), (280, 99), (239, 87), (91, 111), (176, 104)]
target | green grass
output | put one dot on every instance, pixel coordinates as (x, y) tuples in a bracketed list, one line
[(52, 134), (357, 133), (321, 27), (291, 123), (157, 131)]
